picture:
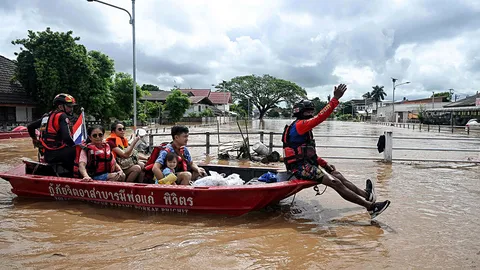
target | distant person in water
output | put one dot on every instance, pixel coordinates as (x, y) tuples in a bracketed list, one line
[(301, 158)]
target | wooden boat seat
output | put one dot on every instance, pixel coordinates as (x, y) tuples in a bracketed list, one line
[(43, 168)]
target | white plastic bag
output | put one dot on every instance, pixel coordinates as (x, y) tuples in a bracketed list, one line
[(216, 179)]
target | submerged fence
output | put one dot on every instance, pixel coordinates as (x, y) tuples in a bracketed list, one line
[(387, 153), (434, 128)]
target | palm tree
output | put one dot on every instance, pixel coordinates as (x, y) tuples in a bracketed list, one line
[(367, 95), (378, 95)]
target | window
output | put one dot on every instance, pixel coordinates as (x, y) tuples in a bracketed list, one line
[(199, 108), (7, 114)]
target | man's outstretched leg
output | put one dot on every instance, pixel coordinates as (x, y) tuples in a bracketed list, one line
[(368, 193), (374, 208), (315, 173)]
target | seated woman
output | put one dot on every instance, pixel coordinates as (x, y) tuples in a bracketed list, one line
[(96, 161), (127, 157)]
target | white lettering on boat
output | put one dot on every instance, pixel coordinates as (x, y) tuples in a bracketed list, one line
[(121, 198), (57, 190), (144, 208), (172, 199)]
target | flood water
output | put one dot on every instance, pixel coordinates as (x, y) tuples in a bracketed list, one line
[(433, 221)]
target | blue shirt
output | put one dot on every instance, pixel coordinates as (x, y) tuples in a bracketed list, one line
[(163, 155), (295, 138)]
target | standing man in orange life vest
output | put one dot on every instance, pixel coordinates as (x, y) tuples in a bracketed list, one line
[(56, 140)]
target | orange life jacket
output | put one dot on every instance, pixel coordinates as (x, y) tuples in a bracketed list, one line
[(295, 153), (49, 131), (119, 142)]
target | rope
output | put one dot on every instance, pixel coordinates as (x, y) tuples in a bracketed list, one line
[(318, 190)]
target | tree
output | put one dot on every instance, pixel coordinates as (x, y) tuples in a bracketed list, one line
[(238, 109), (378, 95), (287, 112), (367, 95), (264, 91), (149, 108), (122, 95), (319, 104), (150, 87), (50, 63), (446, 96), (177, 104), (274, 113), (207, 113), (100, 94)]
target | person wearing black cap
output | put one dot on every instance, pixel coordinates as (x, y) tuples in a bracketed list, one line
[(300, 156)]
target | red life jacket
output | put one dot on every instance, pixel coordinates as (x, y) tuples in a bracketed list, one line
[(49, 129), (99, 160), (182, 163), (295, 153)]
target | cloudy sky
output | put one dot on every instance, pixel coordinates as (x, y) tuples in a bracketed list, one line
[(435, 44)]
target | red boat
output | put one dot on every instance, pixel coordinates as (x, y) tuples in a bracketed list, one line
[(13, 134), (227, 200)]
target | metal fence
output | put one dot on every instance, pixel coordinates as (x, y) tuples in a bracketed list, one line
[(429, 127), (387, 153)]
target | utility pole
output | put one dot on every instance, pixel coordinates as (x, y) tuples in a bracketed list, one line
[(433, 99)]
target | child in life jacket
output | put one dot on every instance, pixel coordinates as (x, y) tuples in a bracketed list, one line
[(169, 170)]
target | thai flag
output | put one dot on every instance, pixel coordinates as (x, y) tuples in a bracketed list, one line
[(79, 133)]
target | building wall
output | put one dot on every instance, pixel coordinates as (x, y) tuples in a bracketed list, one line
[(402, 110), (195, 108), (24, 114), (223, 107)]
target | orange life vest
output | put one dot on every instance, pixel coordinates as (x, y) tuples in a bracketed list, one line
[(295, 153), (119, 142), (49, 131)]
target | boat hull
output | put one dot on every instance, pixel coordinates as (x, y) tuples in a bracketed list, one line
[(13, 135), (225, 200)]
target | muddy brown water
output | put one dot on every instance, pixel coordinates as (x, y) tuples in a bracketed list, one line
[(433, 221)]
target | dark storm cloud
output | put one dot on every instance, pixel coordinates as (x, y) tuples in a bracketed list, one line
[(433, 20), (161, 64)]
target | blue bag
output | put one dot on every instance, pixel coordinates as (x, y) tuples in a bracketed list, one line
[(268, 177)]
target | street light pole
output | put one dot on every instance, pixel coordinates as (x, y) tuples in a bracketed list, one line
[(393, 100), (433, 99), (224, 99), (248, 108), (393, 97), (132, 22)]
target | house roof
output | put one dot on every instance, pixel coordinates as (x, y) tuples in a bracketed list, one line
[(200, 100), (422, 101), (468, 101), (220, 97), (197, 92), (157, 96), (11, 93)]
